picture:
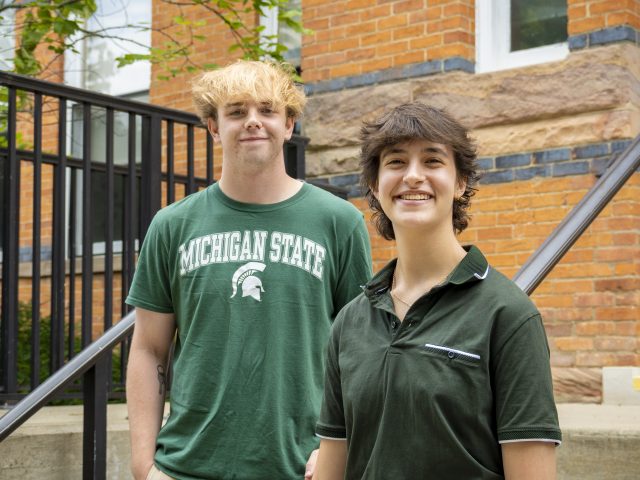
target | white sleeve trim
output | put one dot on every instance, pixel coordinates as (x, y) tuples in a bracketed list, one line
[(548, 440), (330, 438)]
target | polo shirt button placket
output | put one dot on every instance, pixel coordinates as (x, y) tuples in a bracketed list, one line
[(394, 327)]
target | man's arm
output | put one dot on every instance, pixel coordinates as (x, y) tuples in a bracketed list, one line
[(332, 460), (529, 460), (146, 384)]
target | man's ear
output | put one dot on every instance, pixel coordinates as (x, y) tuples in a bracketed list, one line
[(289, 124), (212, 126)]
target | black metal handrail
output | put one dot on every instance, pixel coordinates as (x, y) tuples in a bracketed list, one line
[(72, 370), (540, 263), (30, 84)]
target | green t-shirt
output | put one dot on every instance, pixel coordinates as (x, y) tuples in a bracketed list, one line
[(254, 289), (433, 396)]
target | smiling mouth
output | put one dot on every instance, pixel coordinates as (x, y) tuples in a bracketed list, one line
[(415, 196)]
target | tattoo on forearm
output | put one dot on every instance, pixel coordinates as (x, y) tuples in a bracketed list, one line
[(162, 380)]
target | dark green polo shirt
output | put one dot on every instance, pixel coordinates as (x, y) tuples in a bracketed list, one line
[(434, 396)]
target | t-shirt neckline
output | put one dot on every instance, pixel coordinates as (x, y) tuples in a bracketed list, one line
[(220, 196)]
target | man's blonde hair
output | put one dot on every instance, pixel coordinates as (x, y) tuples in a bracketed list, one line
[(263, 82)]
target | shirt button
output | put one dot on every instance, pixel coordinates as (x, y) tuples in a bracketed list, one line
[(451, 354), (394, 325)]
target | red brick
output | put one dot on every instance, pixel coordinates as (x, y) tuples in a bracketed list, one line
[(408, 32), (573, 343), (606, 6), (393, 21), (595, 328), (426, 41), (408, 5), (616, 344), (616, 313), (625, 284), (589, 24), (376, 38), (381, 11), (345, 19), (392, 48)]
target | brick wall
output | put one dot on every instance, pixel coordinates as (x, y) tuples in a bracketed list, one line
[(591, 15), (352, 37)]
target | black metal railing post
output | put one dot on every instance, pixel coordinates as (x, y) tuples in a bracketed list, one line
[(10, 252), (94, 437), (36, 242), (151, 170), (294, 155), (87, 237), (58, 240)]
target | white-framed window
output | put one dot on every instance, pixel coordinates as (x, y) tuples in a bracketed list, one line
[(94, 68), (517, 33), (286, 36)]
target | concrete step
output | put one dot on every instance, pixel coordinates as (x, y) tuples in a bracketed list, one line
[(49, 446), (601, 442)]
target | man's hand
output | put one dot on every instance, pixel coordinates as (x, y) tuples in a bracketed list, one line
[(311, 465)]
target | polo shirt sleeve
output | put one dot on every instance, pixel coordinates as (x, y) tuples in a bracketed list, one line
[(525, 408), (151, 286), (332, 422)]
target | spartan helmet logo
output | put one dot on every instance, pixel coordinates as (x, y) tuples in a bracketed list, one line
[(244, 276)]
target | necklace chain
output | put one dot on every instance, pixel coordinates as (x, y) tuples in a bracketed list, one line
[(395, 295)]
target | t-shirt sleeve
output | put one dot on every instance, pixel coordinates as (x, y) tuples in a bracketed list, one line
[(331, 423), (525, 408), (151, 287), (354, 265)]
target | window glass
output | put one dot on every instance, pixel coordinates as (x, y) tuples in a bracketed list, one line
[(535, 23), (125, 22), (518, 33)]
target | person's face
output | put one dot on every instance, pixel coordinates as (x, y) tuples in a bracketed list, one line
[(417, 184), (251, 133)]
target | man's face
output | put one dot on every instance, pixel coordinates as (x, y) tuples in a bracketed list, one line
[(251, 133)]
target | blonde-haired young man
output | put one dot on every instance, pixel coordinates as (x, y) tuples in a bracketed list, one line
[(248, 276)]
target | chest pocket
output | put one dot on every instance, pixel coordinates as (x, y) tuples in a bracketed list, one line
[(452, 355)]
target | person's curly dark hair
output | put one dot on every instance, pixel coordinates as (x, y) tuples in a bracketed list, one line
[(417, 121)]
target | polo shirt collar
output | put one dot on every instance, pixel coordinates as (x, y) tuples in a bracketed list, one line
[(472, 268)]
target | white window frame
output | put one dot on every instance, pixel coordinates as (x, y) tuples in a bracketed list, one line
[(7, 40), (270, 22), (493, 41), (271, 25)]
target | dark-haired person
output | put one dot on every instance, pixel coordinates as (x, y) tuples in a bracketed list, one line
[(440, 368)]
